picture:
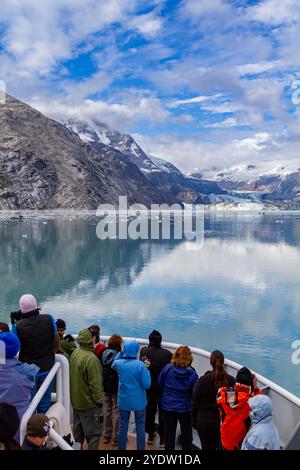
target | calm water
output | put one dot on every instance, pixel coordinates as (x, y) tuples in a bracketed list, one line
[(240, 293)]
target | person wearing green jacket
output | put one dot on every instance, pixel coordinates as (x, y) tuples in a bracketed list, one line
[(86, 392), (67, 343)]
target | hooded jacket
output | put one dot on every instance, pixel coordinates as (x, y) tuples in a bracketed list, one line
[(16, 383), (67, 346), (177, 385), (85, 374), (234, 410), (134, 379), (263, 434)]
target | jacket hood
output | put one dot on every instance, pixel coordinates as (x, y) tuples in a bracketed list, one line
[(30, 370), (85, 340), (11, 343), (261, 407), (181, 372), (131, 349)]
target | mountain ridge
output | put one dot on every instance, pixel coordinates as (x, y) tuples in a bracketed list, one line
[(45, 164), (248, 183), (162, 174)]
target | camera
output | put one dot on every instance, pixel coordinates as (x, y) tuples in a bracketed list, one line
[(15, 317)]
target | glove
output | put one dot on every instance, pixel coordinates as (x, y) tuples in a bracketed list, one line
[(147, 362)]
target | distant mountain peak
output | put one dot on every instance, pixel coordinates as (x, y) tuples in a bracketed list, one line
[(125, 143), (212, 186)]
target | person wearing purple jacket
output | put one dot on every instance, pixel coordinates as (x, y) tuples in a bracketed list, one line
[(17, 379), (177, 382)]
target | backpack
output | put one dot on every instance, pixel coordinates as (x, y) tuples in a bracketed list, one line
[(107, 357), (110, 376)]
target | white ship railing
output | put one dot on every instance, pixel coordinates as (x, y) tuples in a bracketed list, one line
[(60, 371)]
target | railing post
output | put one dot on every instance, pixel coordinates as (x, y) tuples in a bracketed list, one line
[(59, 385), (59, 441), (63, 384), (36, 400)]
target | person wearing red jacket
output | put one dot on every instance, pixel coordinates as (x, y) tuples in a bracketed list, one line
[(234, 409)]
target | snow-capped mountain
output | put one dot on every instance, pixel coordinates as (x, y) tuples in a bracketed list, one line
[(263, 176), (276, 183), (254, 185), (162, 174), (248, 173), (95, 133)]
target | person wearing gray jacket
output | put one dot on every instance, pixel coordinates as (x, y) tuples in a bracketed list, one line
[(263, 434)]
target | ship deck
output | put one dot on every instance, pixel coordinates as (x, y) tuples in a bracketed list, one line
[(131, 445)]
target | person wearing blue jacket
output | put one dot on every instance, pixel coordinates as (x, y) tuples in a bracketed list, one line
[(177, 381), (17, 379), (134, 380)]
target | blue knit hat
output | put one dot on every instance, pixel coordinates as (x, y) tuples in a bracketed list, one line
[(12, 344)]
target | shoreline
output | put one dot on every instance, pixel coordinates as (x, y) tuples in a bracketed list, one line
[(72, 214)]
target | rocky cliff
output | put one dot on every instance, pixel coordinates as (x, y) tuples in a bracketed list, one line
[(44, 165)]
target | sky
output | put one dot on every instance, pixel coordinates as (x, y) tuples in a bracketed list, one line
[(206, 84)]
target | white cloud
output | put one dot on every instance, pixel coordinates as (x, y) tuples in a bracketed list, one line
[(221, 107), (258, 67), (39, 34), (149, 25), (229, 122), (120, 116), (198, 8), (265, 96), (94, 84), (222, 150), (195, 99), (275, 12), (203, 68), (258, 142), (183, 119)]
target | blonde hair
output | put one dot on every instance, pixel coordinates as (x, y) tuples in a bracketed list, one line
[(182, 357)]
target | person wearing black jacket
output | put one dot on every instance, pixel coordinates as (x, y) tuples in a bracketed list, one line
[(206, 416), (159, 358), (36, 333), (110, 387), (9, 424)]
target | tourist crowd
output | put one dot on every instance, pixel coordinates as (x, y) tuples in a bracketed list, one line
[(109, 382)]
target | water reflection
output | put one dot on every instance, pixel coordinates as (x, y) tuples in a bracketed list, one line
[(240, 293)]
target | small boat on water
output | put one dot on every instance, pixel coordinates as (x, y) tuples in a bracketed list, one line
[(286, 406)]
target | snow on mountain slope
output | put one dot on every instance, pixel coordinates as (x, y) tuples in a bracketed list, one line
[(165, 166), (100, 133), (249, 184), (249, 173)]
